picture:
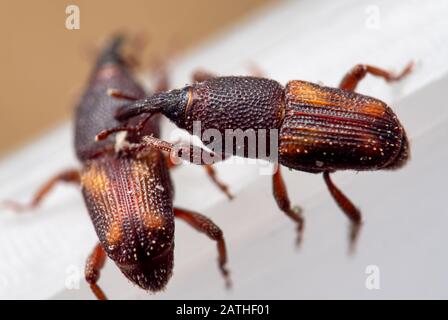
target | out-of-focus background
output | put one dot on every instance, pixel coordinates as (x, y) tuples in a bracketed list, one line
[(44, 65)]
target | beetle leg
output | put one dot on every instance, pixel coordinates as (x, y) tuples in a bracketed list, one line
[(282, 199), (358, 72), (256, 71), (201, 75), (162, 83), (221, 185), (172, 164), (71, 175), (117, 93), (188, 152), (210, 172), (205, 225), (137, 44), (170, 161), (352, 213), (107, 132), (94, 264)]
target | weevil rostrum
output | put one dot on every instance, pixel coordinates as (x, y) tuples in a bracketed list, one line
[(129, 197), (320, 129)]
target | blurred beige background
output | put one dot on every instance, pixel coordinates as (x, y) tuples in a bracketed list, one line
[(44, 65)]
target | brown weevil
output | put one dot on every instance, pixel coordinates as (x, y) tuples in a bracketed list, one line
[(129, 197), (320, 129)]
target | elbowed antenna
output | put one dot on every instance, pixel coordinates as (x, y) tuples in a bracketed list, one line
[(172, 104)]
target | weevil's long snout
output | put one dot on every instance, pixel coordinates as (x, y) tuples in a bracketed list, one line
[(152, 273), (172, 104)]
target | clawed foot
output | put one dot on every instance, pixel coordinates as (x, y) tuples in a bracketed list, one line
[(300, 225), (16, 206), (355, 229)]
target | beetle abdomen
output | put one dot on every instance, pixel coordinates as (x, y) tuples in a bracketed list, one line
[(130, 204), (332, 129)]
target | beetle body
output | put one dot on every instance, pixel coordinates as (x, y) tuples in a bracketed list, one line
[(129, 195), (130, 200), (319, 128)]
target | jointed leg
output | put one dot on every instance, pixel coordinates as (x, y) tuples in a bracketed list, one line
[(190, 153), (281, 196), (256, 71), (210, 172), (358, 72), (201, 75), (205, 225), (117, 93), (171, 164), (352, 213), (163, 82), (349, 82), (94, 264), (137, 128), (148, 142), (221, 185), (71, 175)]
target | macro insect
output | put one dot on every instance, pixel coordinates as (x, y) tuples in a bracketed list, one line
[(129, 197), (320, 129)]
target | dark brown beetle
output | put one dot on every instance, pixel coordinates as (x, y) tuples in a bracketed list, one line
[(320, 129), (129, 196)]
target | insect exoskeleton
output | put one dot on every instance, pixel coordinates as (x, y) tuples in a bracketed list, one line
[(130, 203), (327, 129)]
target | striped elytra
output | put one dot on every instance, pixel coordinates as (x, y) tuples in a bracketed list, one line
[(130, 203), (328, 129)]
